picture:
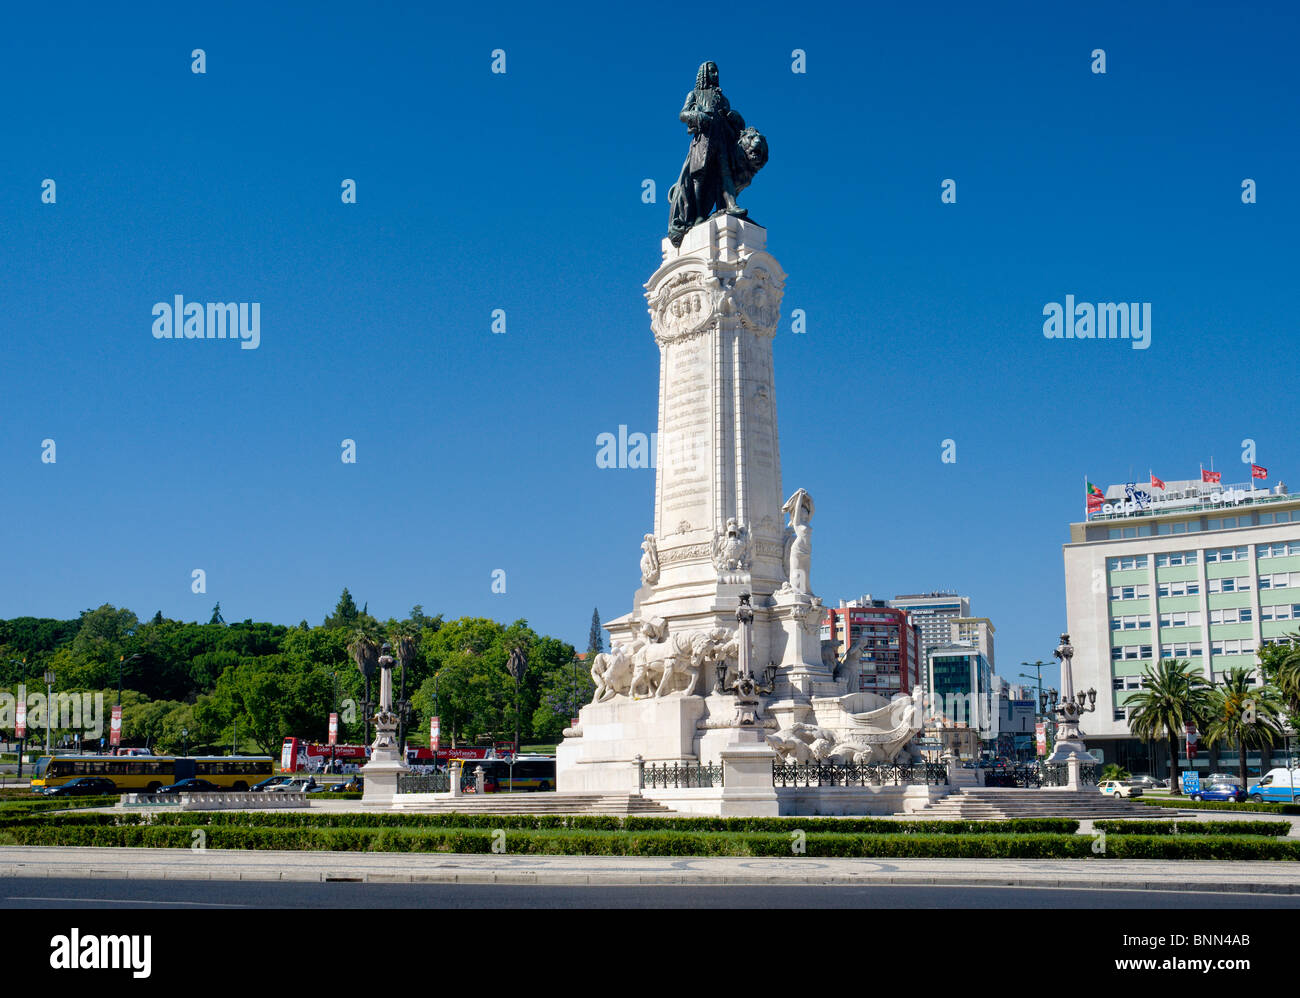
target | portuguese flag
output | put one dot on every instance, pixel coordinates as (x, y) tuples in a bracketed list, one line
[(1095, 496)]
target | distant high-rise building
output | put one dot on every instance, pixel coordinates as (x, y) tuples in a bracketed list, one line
[(933, 613), (891, 661), (975, 631)]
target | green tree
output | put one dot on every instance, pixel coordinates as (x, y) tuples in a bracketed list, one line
[(595, 637), (1172, 695), (216, 615), (1244, 715), (345, 611), (1280, 664)]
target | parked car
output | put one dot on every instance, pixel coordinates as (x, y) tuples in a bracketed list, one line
[(83, 786), (1220, 791), (1147, 783), (191, 786), (1120, 788), (269, 782), (297, 785)]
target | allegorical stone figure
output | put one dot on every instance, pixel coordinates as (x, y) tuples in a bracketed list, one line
[(798, 542), (723, 158)]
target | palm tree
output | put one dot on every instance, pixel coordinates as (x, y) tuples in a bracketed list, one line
[(1171, 697), (1280, 664), (406, 639), (363, 646), (1244, 715)]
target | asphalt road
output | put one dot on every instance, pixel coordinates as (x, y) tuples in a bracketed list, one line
[(109, 894)]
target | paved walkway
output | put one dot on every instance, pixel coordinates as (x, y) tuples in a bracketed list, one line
[(221, 864)]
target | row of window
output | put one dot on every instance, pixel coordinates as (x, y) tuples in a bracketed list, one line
[(1238, 646), (1142, 621), (1172, 559), (1130, 592), (1188, 588), (1213, 555), (1127, 562), (1194, 526), (1284, 611), (1277, 550)]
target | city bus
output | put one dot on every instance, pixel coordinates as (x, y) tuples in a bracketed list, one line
[(149, 772), (531, 772)]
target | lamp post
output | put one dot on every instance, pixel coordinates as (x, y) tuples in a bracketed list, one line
[(517, 665), (746, 686), (1069, 743), (1038, 668), (49, 692), (185, 741), (22, 692)]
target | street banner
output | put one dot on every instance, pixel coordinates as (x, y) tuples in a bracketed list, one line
[(435, 729), (334, 729), (1040, 736), (1193, 739), (20, 715), (115, 726)]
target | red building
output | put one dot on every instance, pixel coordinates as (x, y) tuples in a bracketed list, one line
[(892, 662)]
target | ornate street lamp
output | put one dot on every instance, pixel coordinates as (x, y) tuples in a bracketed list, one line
[(49, 694), (747, 687), (1069, 740)]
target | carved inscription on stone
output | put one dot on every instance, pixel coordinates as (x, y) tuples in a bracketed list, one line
[(686, 431)]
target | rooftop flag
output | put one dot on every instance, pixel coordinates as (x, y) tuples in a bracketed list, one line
[(1156, 483), (1211, 476), (1095, 496), (1257, 472)]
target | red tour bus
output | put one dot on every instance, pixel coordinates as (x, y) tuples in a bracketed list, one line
[(297, 755)]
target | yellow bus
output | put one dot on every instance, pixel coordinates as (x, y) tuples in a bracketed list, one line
[(149, 772)]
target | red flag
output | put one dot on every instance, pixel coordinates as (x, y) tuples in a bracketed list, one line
[(1156, 483), (1211, 476), (1257, 472)]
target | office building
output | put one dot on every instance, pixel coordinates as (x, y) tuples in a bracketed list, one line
[(1194, 571)]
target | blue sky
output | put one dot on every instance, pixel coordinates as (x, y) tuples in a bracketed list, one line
[(522, 191)]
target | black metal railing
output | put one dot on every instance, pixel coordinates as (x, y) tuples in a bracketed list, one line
[(421, 783), (1058, 775), (869, 774), (679, 775)]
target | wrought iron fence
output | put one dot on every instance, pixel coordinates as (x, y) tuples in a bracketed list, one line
[(870, 774), (678, 775), (1014, 776), (1057, 775), (421, 783)]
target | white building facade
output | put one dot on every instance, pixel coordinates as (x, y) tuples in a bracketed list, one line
[(1206, 573)]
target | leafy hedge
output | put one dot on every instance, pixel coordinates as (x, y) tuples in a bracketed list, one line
[(35, 803), (1275, 828), (1222, 805), (631, 823), (580, 842)]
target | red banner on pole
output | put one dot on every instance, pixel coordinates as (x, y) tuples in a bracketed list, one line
[(115, 726), (435, 729), (1193, 739), (1040, 736), (334, 729), (20, 716)]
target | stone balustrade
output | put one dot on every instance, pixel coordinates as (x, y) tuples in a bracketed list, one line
[(216, 801)]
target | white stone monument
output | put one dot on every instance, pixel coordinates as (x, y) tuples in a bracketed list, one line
[(722, 527), (386, 759)]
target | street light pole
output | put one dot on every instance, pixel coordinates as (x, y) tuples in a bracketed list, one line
[(1038, 666), (49, 692), (22, 689)]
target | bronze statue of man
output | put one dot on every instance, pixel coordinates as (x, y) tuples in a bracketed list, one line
[(723, 157)]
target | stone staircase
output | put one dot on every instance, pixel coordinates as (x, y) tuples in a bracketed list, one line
[(540, 803), (977, 803)]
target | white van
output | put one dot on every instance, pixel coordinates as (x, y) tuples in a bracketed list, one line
[(1276, 786)]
